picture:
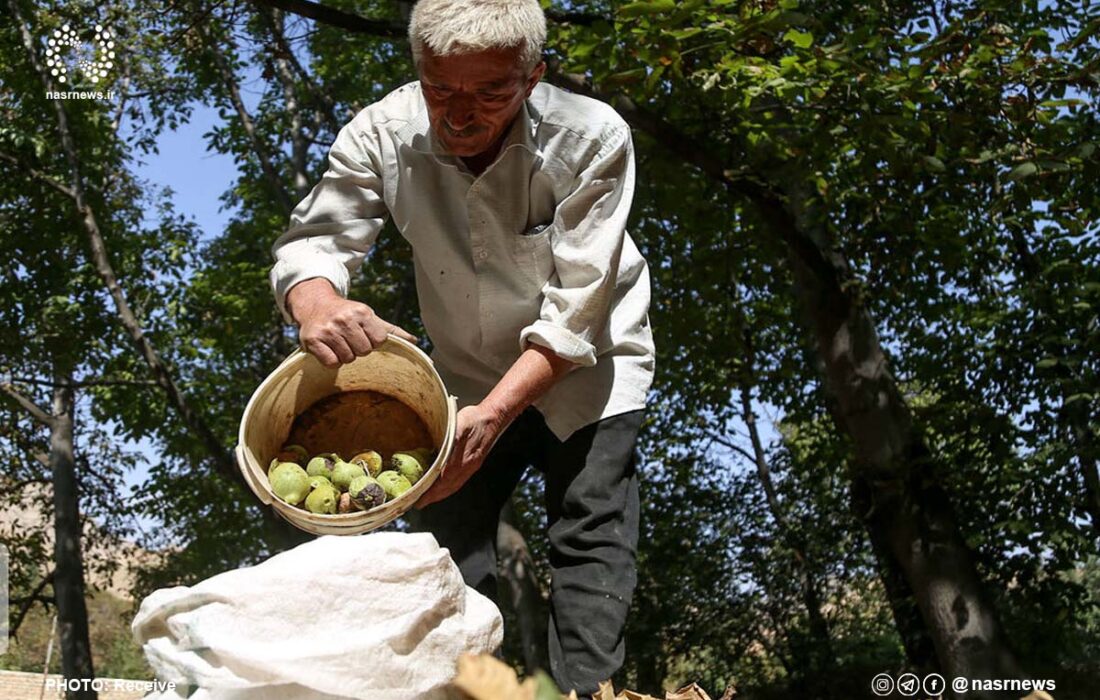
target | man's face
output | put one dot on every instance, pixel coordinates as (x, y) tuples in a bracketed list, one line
[(473, 97)]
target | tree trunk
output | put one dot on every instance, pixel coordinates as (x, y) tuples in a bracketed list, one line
[(68, 578), (908, 508), (919, 649), (524, 592)]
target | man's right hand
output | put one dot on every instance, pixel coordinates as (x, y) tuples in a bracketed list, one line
[(333, 329)]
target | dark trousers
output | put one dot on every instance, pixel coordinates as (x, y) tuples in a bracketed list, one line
[(592, 525)]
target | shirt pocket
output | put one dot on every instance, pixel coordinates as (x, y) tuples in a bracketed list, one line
[(533, 256)]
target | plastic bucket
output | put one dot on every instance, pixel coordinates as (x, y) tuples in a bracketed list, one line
[(397, 369)]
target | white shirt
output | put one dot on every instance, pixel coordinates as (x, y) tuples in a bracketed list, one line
[(534, 250)]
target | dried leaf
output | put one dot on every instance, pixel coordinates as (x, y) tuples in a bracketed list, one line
[(487, 678), (688, 692), (606, 692)]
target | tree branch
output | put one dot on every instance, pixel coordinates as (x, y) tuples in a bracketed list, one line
[(16, 486), (275, 24), (299, 148), (37, 174), (82, 384), (386, 29), (735, 447), (35, 411), (229, 78), (27, 602), (23, 442)]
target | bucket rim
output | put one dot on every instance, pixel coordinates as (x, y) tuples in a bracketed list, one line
[(356, 522)]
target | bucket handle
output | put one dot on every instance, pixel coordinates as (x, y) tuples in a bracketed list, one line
[(389, 337)]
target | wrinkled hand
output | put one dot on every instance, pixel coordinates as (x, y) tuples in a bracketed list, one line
[(476, 431), (337, 330)]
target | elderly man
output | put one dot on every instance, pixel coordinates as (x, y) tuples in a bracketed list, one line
[(514, 196)]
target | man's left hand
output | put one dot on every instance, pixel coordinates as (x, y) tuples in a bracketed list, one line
[(476, 431)]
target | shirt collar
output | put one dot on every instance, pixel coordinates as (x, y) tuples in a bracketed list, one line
[(419, 136)]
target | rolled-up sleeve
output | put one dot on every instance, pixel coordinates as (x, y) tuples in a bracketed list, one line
[(586, 240), (334, 227)]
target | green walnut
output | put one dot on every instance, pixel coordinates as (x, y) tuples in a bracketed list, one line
[(372, 461), (322, 465), (407, 465), (393, 483), (289, 482), (298, 450), (424, 454), (367, 467), (366, 492), (322, 501), (293, 453), (316, 482), (344, 472)]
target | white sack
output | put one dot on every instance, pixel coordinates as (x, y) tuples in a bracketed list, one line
[(383, 616)]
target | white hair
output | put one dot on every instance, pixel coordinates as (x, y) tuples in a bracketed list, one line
[(459, 26)]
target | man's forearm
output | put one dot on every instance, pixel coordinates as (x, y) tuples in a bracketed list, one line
[(531, 376), (307, 292)]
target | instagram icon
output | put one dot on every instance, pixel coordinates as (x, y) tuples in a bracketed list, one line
[(882, 685)]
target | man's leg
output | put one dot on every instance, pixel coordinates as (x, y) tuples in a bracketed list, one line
[(466, 521), (592, 517)]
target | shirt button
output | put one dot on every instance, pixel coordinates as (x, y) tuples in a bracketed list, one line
[(483, 255)]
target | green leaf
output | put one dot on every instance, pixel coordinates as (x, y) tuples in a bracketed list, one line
[(687, 33), (1023, 170), (654, 79), (639, 9), (1056, 166), (545, 688), (802, 40), (1068, 102), (934, 164), (626, 76), (1047, 363)]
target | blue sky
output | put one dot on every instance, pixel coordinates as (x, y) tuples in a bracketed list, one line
[(197, 176)]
